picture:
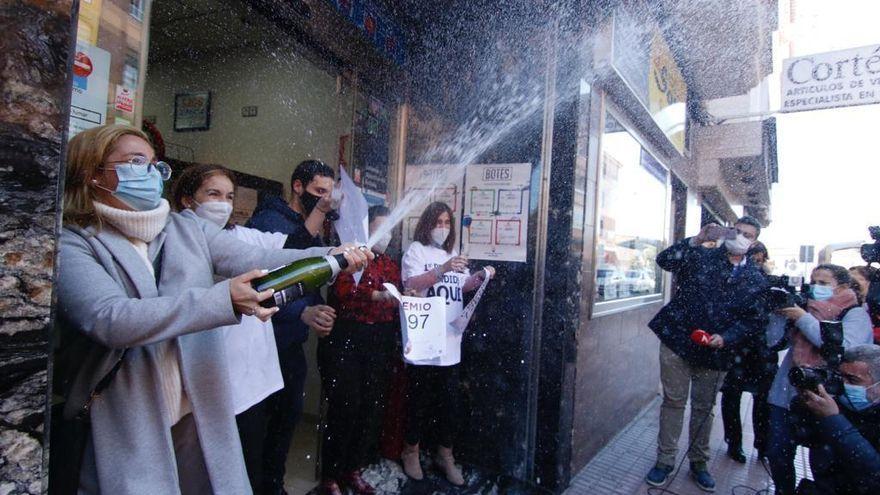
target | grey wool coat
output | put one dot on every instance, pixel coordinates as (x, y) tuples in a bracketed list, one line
[(106, 293)]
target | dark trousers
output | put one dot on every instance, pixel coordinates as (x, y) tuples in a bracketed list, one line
[(252, 433), (433, 403), (731, 395), (788, 429), (283, 410), (355, 363)]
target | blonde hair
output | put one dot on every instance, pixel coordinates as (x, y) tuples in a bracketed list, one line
[(86, 152)]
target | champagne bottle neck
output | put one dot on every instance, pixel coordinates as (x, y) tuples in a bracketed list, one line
[(337, 263)]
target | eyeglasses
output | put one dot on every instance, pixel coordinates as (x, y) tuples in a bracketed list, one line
[(141, 166)]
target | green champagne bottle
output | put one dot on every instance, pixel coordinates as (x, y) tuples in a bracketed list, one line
[(301, 277)]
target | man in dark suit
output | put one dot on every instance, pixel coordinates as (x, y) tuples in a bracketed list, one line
[(721, 291)]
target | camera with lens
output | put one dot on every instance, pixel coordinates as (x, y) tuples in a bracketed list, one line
[(809, 378), (787, 292)]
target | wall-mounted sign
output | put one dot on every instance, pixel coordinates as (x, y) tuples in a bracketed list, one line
[(192, 111), (91, 76), (829, 80), (249, 111), (667, 92), (376, 25), (431, 183), (496, 211), (124, 99), (642, 58)]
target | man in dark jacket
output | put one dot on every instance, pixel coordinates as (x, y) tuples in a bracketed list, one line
[(845, 452), (720, 291), (302, 219)]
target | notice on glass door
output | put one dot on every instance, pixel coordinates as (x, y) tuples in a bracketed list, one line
[(496, 211)]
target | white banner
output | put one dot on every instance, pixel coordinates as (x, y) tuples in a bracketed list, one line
[(829, 80), (353, 223), (423, 325), (461, 323)]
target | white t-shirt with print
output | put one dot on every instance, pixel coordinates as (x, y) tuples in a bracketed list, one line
[(420, 259), (254, 372)]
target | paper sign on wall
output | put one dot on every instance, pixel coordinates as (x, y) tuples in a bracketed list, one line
[(91, 76), (496, 211), (423, 321), (124, 99), (436, 182)]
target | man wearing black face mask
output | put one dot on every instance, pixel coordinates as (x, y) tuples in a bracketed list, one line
[(302, 219), (845, 458)]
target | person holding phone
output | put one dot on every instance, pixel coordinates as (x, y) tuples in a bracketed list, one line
[(720, 291)]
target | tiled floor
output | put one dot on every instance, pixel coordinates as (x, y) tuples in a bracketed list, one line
[(300, 469), (621, 466)]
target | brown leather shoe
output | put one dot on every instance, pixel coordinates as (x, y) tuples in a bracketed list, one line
[(329, 487), (357, 483)]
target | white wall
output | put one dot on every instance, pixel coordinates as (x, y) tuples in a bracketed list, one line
[(299, 114)]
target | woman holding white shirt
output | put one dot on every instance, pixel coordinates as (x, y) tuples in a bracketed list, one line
[(432, 267)]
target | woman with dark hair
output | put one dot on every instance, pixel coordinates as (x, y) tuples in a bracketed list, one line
[(355, 362), (830, 298), (254, 371), (861, 280), (137, 301), (432, 267)]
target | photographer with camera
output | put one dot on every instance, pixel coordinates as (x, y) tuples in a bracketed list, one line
[(845, 458), (830, 298), (718, 307)]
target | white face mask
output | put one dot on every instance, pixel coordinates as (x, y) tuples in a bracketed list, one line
[(382, 243), (439, 235), (738, 246), (217, 212)]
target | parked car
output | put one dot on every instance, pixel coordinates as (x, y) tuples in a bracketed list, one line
[(608, 282), (639, 282)]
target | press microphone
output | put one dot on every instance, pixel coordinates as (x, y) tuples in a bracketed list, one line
[(701, 337)]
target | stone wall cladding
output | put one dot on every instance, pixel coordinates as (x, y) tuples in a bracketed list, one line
[(35, 45)]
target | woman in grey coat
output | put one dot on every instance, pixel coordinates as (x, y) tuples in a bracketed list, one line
[(138, 283)]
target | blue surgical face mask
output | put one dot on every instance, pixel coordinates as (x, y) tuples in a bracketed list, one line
[(142, 192), (821, 292), (856, 397)]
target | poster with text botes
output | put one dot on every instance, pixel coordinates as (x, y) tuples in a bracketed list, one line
[(496, 211)]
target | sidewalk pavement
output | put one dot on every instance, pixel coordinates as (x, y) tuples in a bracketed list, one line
[(621, 466)]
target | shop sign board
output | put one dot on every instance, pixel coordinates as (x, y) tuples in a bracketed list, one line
[(667, 92), (829, 80), (124, 99), (376, 25), (91, 83), (644, 61), (496, 211)]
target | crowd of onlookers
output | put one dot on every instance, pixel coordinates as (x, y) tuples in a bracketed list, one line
[(724, 329)]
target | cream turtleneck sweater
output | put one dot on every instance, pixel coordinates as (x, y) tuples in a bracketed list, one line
[(140, 228)]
